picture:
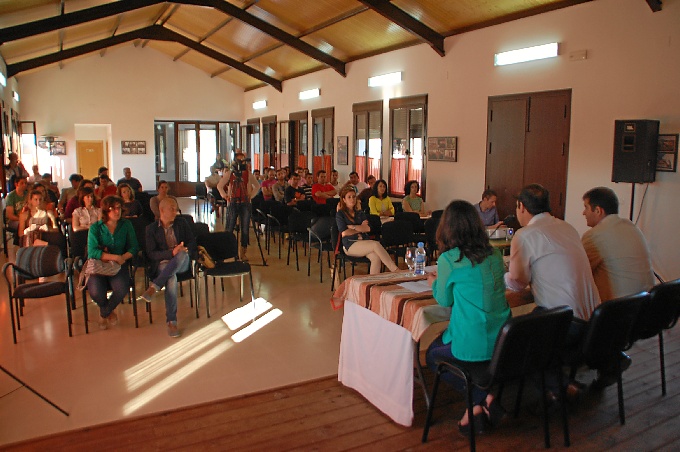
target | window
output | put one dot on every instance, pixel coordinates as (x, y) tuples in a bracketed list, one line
[(368, 139), (408, 118), (30, 150), (250, 139), (322, 139), (298, 139), (268, 141), (282, 158)]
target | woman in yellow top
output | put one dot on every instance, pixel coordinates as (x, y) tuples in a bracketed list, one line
[(380, 203)]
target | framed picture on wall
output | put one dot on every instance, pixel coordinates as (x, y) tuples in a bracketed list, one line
[(343, 157), (133, 147), (442, 149), (667, 153)]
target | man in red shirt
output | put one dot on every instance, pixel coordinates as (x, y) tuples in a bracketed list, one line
[(322, 190), (267, 184)]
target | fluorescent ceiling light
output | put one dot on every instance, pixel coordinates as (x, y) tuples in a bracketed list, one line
[(3, 79), (526, 54), (385, 79), (259, 104), (15, 95), (309, 94)]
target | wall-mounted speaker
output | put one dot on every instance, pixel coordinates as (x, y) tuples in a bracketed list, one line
[(635, 143)]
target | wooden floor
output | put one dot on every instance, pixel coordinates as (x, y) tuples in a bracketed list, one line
[(324, 415)]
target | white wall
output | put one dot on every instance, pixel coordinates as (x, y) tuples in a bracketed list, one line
[(631, 72), (125, 90)]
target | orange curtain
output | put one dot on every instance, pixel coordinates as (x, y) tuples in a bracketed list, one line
[(374, 167), (266, 161), (414, 174), (360, 165), (397, 179), (327, 162), (302, 161), (256, 161), (317, 164)]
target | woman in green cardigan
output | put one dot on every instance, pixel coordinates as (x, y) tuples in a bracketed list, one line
[(469, 279)]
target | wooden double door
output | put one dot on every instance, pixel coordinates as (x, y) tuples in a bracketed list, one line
[(528, 142)]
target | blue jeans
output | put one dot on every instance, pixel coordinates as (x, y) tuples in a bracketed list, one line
[(98, 285), (168, 278), (243, 210), (437, 352)]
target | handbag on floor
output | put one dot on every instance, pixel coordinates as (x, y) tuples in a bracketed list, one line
[(96, 267)]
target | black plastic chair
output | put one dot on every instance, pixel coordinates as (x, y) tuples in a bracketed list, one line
[(396, 236), (526, 345), (320, 238), (6, 231), (658, 314), (222, 246), (200, 196), (33, 262), (431, 247), (607, 335), (375, 224), (298, 224), (341, 258), (277, 224)]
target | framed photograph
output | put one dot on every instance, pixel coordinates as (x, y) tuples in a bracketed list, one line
[(133, 147), (442, 149), (57, 147), (667, 153), (343, 157)]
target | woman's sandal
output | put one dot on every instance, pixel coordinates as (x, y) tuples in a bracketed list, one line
[(480, 425), (495, 413), (204, 258)]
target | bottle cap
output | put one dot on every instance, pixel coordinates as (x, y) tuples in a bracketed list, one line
[(421, 244)]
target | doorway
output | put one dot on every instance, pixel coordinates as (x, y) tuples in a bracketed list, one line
[(90, 156), (528, 142)]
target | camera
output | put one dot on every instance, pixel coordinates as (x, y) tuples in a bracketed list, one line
[(238, 166)]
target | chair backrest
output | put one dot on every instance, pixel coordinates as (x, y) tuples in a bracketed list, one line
[(396, 234), (431, 226), (201, 191), (411, 217), (609, 328), (200, 229), (300, 221), (57, 238), (39, 261), (139, 224), (332, 204), (375, 224), (659, 313), (189, 219), (529, 343), (321, 226), (335, 239), (437, 215), (280, 212), (144, 199), (219, 245), (78, 241)]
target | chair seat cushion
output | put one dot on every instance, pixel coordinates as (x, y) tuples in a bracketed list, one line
[(228, 268), (39, 290)]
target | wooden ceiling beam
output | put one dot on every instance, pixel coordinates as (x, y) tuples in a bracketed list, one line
[(154, 32), (271, 30), (386, 9), (70, 19), (656, 5)]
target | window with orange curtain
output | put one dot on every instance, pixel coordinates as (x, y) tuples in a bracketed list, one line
[(408, 120), (368, 139), (322, 139)]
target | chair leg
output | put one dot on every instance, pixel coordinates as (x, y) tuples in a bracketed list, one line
[(428, 419), (252, 290), (563, 397), (241, 290), (335, 270), (68, 313), (297, 261), (207, 298), (320, 263), (662, 364), (546, 415), (197, 285), (471, 416), (619, 385), (11, 309), (85, 313)]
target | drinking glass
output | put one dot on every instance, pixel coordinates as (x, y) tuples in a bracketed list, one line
[(510, 233), (410, 259)]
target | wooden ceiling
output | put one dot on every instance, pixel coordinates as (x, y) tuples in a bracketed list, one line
[(248, 43)]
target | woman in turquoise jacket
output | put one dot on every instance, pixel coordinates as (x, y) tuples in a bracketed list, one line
[(469, 279)]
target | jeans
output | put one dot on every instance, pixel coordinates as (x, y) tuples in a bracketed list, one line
[(98, 285), (243, 210), (168, 278), (438, 351)]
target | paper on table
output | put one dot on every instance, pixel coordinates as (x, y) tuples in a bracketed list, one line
[(416, 286)]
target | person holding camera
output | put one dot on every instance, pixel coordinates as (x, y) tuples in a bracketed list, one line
[(238, 186)]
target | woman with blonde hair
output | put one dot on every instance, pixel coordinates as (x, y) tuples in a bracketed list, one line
[(131, 207), (353, 228)]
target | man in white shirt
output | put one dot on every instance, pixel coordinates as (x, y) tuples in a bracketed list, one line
[(617, 250), (238, 186), (547, 253)]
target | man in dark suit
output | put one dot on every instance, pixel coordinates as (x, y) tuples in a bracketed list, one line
[(170, 246)]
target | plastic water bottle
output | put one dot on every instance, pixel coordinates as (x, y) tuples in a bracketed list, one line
[(420, 259)]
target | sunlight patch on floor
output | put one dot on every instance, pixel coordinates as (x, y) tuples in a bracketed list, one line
[(256, 325), (246, 313)]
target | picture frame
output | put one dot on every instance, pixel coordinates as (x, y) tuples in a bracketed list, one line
[(56, 148), (343, 151), (442, 149), (667, 153), (132, 147)]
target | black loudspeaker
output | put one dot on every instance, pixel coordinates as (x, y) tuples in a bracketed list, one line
[(635, 144)]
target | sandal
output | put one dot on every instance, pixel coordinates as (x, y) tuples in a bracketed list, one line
[(495, 413), (480, 425), (204, 258)]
